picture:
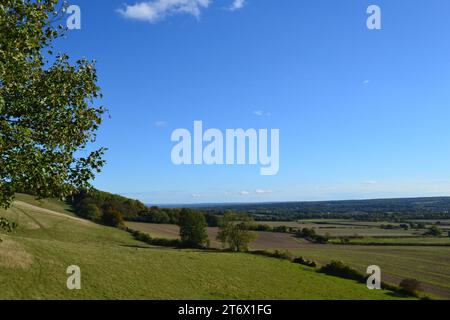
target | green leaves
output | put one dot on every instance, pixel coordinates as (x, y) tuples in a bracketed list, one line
[(48, 115), (7, 226)]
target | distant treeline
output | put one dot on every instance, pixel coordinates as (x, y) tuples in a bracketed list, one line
[(111, 209), (395, 210)]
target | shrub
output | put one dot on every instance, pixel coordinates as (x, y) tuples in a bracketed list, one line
[(112, 218), (282, 255), (285, 255), (339, 269), (434, 232), (7, 225), (304, 262), (92, 212), (410, 286)]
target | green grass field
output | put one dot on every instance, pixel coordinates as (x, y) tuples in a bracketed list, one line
[(347, 228), (429, 265), (33, 263), (403, 241)]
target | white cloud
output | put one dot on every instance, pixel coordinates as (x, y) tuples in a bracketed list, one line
[(237, 4), (262, 191), (244, 193), (261, 113), (366, 82), (160, 124), (157, 10)]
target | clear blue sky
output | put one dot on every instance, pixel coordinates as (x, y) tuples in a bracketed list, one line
[(361, 113)]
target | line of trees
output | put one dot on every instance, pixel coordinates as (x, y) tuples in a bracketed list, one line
[(111, 209)]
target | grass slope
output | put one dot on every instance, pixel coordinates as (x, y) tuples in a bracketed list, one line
[(429, 265), (33, 264)]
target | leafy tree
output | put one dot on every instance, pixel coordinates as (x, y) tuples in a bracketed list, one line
[(7, 226), (92, 212), (111, 217), (193, 228), (434, 232), (234, 233), (47, 112)]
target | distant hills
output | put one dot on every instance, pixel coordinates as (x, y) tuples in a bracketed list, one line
[(436, 207)]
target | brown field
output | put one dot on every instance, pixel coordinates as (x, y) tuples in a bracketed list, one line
[(264, 240)]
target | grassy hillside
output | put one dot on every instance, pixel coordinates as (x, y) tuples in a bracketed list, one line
[(429, 265), (33, 264), (399, 258)]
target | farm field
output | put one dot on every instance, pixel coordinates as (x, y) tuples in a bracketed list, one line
[(34, 259), (430, 265), (419, 241), (349, 228), (264, 240)]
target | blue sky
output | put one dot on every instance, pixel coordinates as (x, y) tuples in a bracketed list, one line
[(362, 113)]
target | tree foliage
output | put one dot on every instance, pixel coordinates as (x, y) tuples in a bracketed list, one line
[(234, 233), (193, 228), (47, 112)]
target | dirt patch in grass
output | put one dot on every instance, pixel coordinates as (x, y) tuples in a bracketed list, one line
[(13, 255)]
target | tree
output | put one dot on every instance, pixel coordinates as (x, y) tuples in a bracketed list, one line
[(193, 228), (234, 233), (92, 212), (111, 217), (46, 106), (434, 232), (7, 226)]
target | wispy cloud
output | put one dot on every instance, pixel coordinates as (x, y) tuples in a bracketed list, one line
[(261, 113), (244, 193), (237, 4), (262, 191), (196, 195), (160, 124), (157, 10), (154, 11)]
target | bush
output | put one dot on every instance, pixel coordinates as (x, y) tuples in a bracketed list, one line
[(410, 286), (285, 255), (112, 218), (7, 225), (145, 237), (339, 269), (304, 262), (282, 255), (310, 235), (434, 232), (92, 212)]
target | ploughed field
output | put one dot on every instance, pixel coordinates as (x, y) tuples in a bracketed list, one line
[(34, 260), (264, 240)]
